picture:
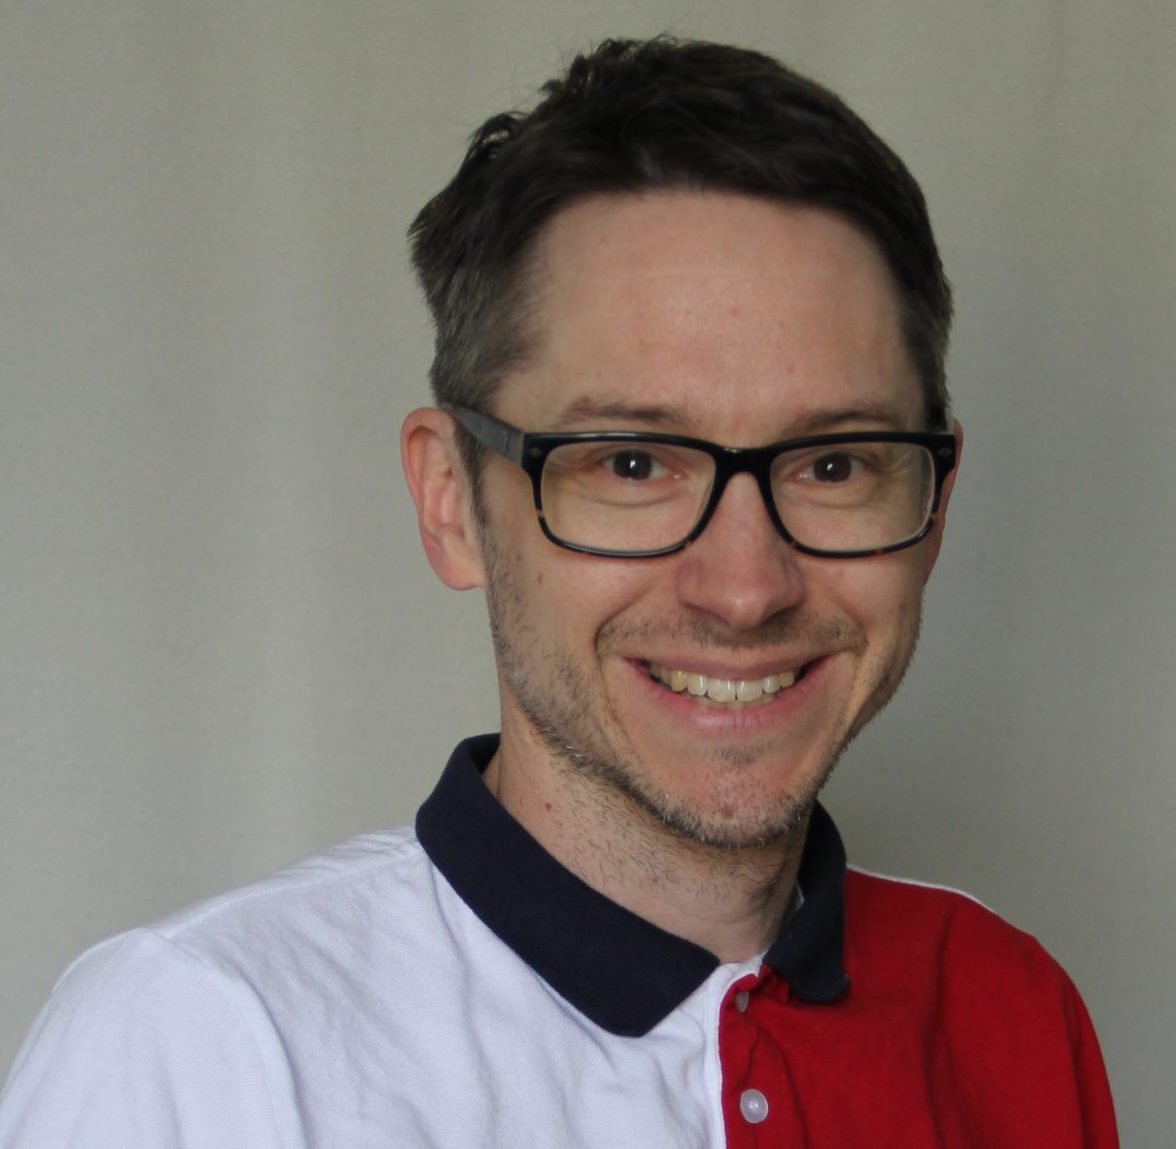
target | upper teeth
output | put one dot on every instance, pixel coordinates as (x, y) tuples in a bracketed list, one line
[(722, 689)]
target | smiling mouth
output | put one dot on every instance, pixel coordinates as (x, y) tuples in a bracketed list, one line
[(724, 690)]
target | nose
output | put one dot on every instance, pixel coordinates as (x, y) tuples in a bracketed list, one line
[(740, 569)]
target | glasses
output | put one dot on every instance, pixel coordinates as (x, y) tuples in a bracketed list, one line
[(628, 494)]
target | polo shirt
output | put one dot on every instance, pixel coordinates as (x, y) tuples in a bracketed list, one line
[(455, 986)]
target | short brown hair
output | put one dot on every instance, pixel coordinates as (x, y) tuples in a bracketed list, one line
[(660, 115)]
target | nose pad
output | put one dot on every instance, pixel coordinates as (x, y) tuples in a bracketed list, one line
[(741, 569)]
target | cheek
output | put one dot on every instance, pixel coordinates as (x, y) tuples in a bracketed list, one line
[(562, 592), (883, 595), (577, 597)]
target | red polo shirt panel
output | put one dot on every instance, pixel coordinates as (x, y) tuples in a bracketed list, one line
[(956, 1030)]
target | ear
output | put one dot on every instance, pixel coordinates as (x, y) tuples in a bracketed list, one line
[(439, 487), (935, 539)]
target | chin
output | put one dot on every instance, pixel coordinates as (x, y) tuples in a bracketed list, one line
[(733, 814)]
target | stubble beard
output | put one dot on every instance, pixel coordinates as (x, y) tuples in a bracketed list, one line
[(558, 697)]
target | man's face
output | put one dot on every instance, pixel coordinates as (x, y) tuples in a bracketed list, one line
[(743, 322)]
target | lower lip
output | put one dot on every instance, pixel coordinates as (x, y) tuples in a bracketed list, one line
[(725, 719)]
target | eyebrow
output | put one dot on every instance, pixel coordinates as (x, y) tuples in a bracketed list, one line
[(586, 409), (878, 413), (597, 413)]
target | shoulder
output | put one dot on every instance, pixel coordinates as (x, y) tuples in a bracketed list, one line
[(968, 990), (884, 911), (870, 894), (302, 925), (322, 903), (352, 866), (193, 1017), (143, 1043), (951, 946)]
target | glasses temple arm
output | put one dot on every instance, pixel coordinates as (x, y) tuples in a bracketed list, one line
[(491, 433)]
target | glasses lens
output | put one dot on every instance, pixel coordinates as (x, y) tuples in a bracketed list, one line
[(847, 497), (625, 497)]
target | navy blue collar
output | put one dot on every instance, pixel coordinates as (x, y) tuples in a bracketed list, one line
[(615, 967)]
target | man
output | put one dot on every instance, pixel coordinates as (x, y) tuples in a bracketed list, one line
[(693, 442)]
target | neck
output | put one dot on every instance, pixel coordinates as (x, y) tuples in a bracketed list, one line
[(729, 901)]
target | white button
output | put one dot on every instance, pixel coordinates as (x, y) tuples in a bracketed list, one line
[(741, 1000), (753, 1105)]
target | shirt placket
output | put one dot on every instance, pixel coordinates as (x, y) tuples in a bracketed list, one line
[(759, 1102)]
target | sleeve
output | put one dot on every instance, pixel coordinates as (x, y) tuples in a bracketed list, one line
[(144, 1045), (1036, 1072), (1094, 1090)]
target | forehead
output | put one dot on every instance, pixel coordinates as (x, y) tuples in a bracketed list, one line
[(722, 314)]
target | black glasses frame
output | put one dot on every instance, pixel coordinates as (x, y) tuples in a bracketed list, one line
[(529, 450)]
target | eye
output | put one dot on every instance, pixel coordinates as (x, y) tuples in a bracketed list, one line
[(836, 468), (634, 465)]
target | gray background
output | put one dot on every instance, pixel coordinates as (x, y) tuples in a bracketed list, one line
[(221, 645)]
